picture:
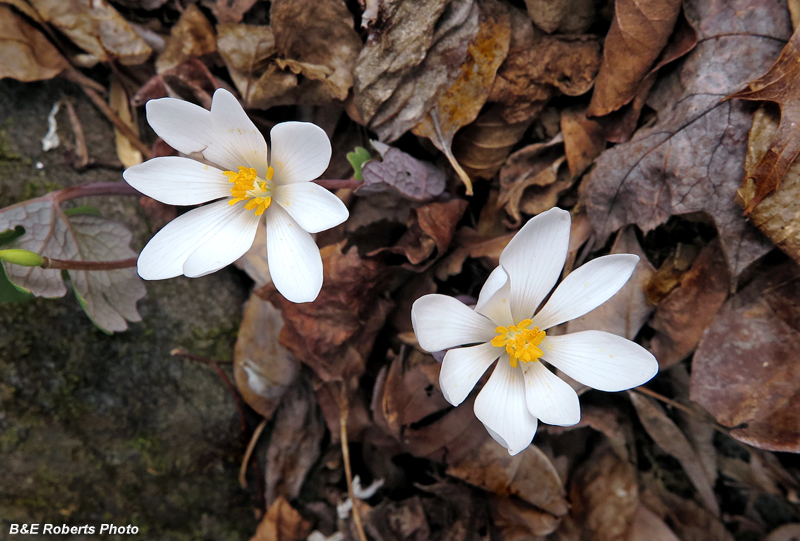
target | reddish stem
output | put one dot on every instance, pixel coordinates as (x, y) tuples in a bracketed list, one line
[(93, 189), (50, 263)]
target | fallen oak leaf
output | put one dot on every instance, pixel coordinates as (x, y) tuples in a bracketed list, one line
[(27, 55), (460, 104), (781, 85)]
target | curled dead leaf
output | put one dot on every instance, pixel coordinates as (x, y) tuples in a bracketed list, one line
[(191, 37), (27, 55)]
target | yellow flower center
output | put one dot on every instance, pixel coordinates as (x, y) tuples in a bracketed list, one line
[(520, 342), (248, 187)]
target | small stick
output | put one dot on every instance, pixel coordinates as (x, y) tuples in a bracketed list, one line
[(50, 263), (80, 140), (343, 411), (685, 409), (118, 123), (249, 452)]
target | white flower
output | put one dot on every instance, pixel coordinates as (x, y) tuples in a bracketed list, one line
[(505, 325), (247, 184)]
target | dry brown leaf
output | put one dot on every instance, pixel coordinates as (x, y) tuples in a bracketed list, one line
[(685, 313), (746, 368), (562, 16), (190, 80), (519, 521), (688, 160), (414, 52), (118, 101), (532, 179), (778, 214), (27, 55), (97, 28), (231, 11), (468, 243), (334, 334), (604, 496), (689, 520), (529, 475), (671, 439), (282, 523), (262, 368), (246, 50), (625, 312), (399, 520), (638, 34), (294, 445), (460, 104), (647, 525), (584, 139), (787, 532), (191, 37), (780, 85)]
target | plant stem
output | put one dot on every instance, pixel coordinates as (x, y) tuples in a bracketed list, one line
[(343, 411), (50, 263), (93, 189)]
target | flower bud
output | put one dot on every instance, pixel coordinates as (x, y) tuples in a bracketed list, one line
[(25, 258)]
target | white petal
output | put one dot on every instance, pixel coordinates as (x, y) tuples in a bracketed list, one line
[(301, 151), (224, 135), (166, 253), (586, 288), (502, 408), (230, 242), (494, 299), (313, 207), (293, 257), (442, 322), (600, 360), (178, 181), (550, 399), (463, 367), (534, 259)]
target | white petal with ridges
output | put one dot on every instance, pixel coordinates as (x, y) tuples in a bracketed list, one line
[(494, 300), (188, 128), (301, 151), (313, 207), (462, 368), (166, 253), (501, 407), (586, 288), (601, 360), (534, 258), (178, 181), (293, 257), (550, 398), (230, 242), (442, 322)]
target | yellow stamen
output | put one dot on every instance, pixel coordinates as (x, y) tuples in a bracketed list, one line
[(520, 342), (246, 187)]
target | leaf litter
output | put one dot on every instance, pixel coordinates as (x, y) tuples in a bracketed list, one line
[(477, 115)]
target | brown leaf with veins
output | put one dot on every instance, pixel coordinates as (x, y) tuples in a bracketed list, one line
[(781, 85), (460, 104), (746, 368), (282, 522), (262, 368), (519, 521), (687, 311), (639, 32), (27, 55), (688, 160), (191, 37), (97, 28), (108, 297), (584, 139)]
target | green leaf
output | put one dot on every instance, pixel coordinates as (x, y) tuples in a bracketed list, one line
[(9, 291), (357, 158)]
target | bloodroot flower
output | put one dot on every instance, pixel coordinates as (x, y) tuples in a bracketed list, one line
[(506, 325), (247, 186)]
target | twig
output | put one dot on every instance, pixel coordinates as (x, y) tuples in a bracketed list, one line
[(687, 410), (338, 183), (343, 411), (50, 263), (118, 123), (93, 189), (81, 152), (249, 452)]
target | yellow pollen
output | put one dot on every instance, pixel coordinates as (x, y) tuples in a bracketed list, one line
[(246, 187), (520, 342)]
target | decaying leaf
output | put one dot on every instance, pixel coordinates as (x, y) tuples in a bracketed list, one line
[(520, 521), (262, 368), (414, 52), (468, 243), (108, 297), (282, 523), (246, 50), (118, 101), (780, 85), (745, 369), (231, 11), (671, 439), (584, 139), (97, 28), (402, 172), (562, 16), (532, 179), (687, 161), (294, 445), (191, 37), (778, 214), (689, 520), (648, 525), (334, 334), (685, 313), (638, 34), (625, 312), (460, 104), (190, 80), (27, 55)]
